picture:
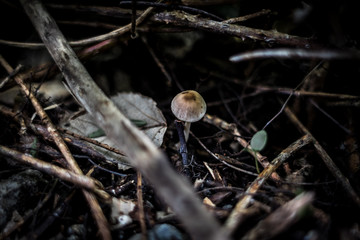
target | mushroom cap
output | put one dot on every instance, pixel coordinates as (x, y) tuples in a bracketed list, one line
[(188, 106)]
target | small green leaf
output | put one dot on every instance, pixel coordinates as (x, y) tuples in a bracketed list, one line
[(138, 123), (98, 133), (258, 141)]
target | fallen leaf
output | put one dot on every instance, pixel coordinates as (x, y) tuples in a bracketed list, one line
[(141, 110)]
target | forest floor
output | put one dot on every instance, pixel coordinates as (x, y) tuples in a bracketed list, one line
[(289, 71)]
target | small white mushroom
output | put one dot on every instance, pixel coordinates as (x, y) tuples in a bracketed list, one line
[(188, 106)]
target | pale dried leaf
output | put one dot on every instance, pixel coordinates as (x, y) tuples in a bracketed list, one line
[(139, 107), (134, 106)]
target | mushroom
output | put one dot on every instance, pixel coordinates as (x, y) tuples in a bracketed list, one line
[(188, 106)]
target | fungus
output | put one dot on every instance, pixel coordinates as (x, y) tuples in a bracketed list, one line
[(188, 106)]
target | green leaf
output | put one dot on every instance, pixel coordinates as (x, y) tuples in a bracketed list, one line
[(97, 133), (258, 141), (138, 123)]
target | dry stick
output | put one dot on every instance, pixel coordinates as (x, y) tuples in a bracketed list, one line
[(247, 17), (87, 41), (306, 93), (335, 171), (4, 81), (139, 194), (232, 128), (144, 155), (77, 179), (236, 214), (187, 20), (133, 19), (89, 140), (93, 203)]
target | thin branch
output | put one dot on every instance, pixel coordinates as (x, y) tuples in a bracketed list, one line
[(157, 61), (113, 34), (140, 203), (330, 117), (247, 17), (282, 90), (66, 175), (6, 80), (174, 7), (133, 18)]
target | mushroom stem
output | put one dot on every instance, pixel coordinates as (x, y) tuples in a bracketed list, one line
[(183, 148), (187, 130)]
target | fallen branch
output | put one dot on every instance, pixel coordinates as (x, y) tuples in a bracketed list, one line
[(183, 19)]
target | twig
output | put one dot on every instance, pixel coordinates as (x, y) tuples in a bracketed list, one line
[(174, 7), (66, 175), (144, 155), (232, 222), (288, 53), (335, 171), (278, 113), (187, 20), (5, 81), (140, 203), (299, 93), (282, 90), (133, 18), (157, 61), (247, 17), (330, 117), (113, 34), (228, 109), (89, 140)]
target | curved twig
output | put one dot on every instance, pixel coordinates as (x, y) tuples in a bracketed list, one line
[(288, 53)]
